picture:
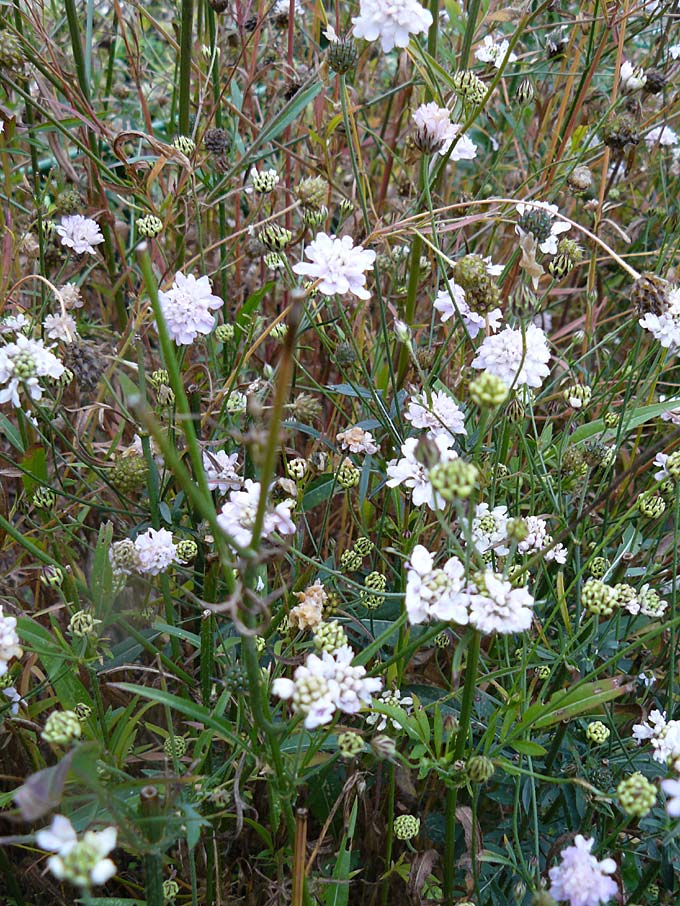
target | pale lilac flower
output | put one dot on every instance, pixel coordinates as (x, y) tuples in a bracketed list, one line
[(515, 357), (238, 515), (13, 324), (547, 238), (338, 264), (393, 21), (61, 327), (489, 529), (491, 51), (14, 698), (220, 471), (495, 606), (661, 135), (70, 296), (439, 414), (22, 363), (9, 641), (326, 684), (436, 130), (83, 862), (664, 736), (448, 303), (651, 728), (356, 440), (580, 879), (155, 550), (672, 789), (410, 472), (660, 461), (674, 51), (439, 594), (670, 415), (80, 233), (187, 308)]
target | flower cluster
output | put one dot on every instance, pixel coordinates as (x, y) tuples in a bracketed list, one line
[(326, 684), (237, 517), (22, 365)]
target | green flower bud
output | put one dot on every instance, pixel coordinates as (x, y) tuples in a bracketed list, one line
[(363, 546), (184, 144), (44, 498), (651, 505), (82, 624), (598, 598), (406, 827), (329, 636), (597, 732), (479, 768), (61, 728), (470, 89), (149, 226), (275, 237), (224, 333), (488, 390), (343, 54), (348, 475), (350, 744), (174, 746), (637, 795), (598, 567), (187, 550), (170, 889), (454, 479)]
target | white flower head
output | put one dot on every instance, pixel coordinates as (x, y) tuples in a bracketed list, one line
[(496, 606), (489, 529), (393, 21), (673, 414), (632, 77), (448, 303), (436, 130), (412, 473), (187, 308), (580, 879), (80, 233), (540, 219), (439, 594), (538, 539), (674, 51), (61, 327), (394, 699), (155, 550), (9, 641), (491, 51), (22, 364), (672, 789), (661, 136), (356, 440), (326, 684), (220, 470), (439, 414), (14, 324), (83, 862), (237, 518), (338, 264), (515, 357)]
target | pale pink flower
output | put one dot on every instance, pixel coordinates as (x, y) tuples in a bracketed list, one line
[(338, 264), (393, 21), (80, 233), (187, 308), (580, 879)]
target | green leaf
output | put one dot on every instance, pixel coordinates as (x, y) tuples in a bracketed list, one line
[(56, 662), (12, 433), (570, 703), (34, 466), (319, 492), (526, 747), (630, 421), (338, 894), (101, 581)]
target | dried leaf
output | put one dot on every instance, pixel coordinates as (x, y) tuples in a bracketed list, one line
[(42, 791), (421, 869)]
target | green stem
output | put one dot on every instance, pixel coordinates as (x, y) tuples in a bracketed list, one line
[(461, 741), (185, 47)]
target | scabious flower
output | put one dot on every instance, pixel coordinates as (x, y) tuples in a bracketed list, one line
[(663, 735), (439, 594), (672, 789), (61, 327), (448, 303), (540, 219), (83, 862), (661, 135), (9, 641), (80, 233), (439, 414), (665, 326), (338, 265), (632, 77), (22, 363), (515, 357), (580, 879), (326, 684), (13, 324), (538, 539), (238, 515), (436, 133), (490, 529), (671, 415), (491, 51), (393, 21), (412, 473), (356, 440), (495, 606), (155, 551), (220, 471), (187, 308), (394, 699)]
